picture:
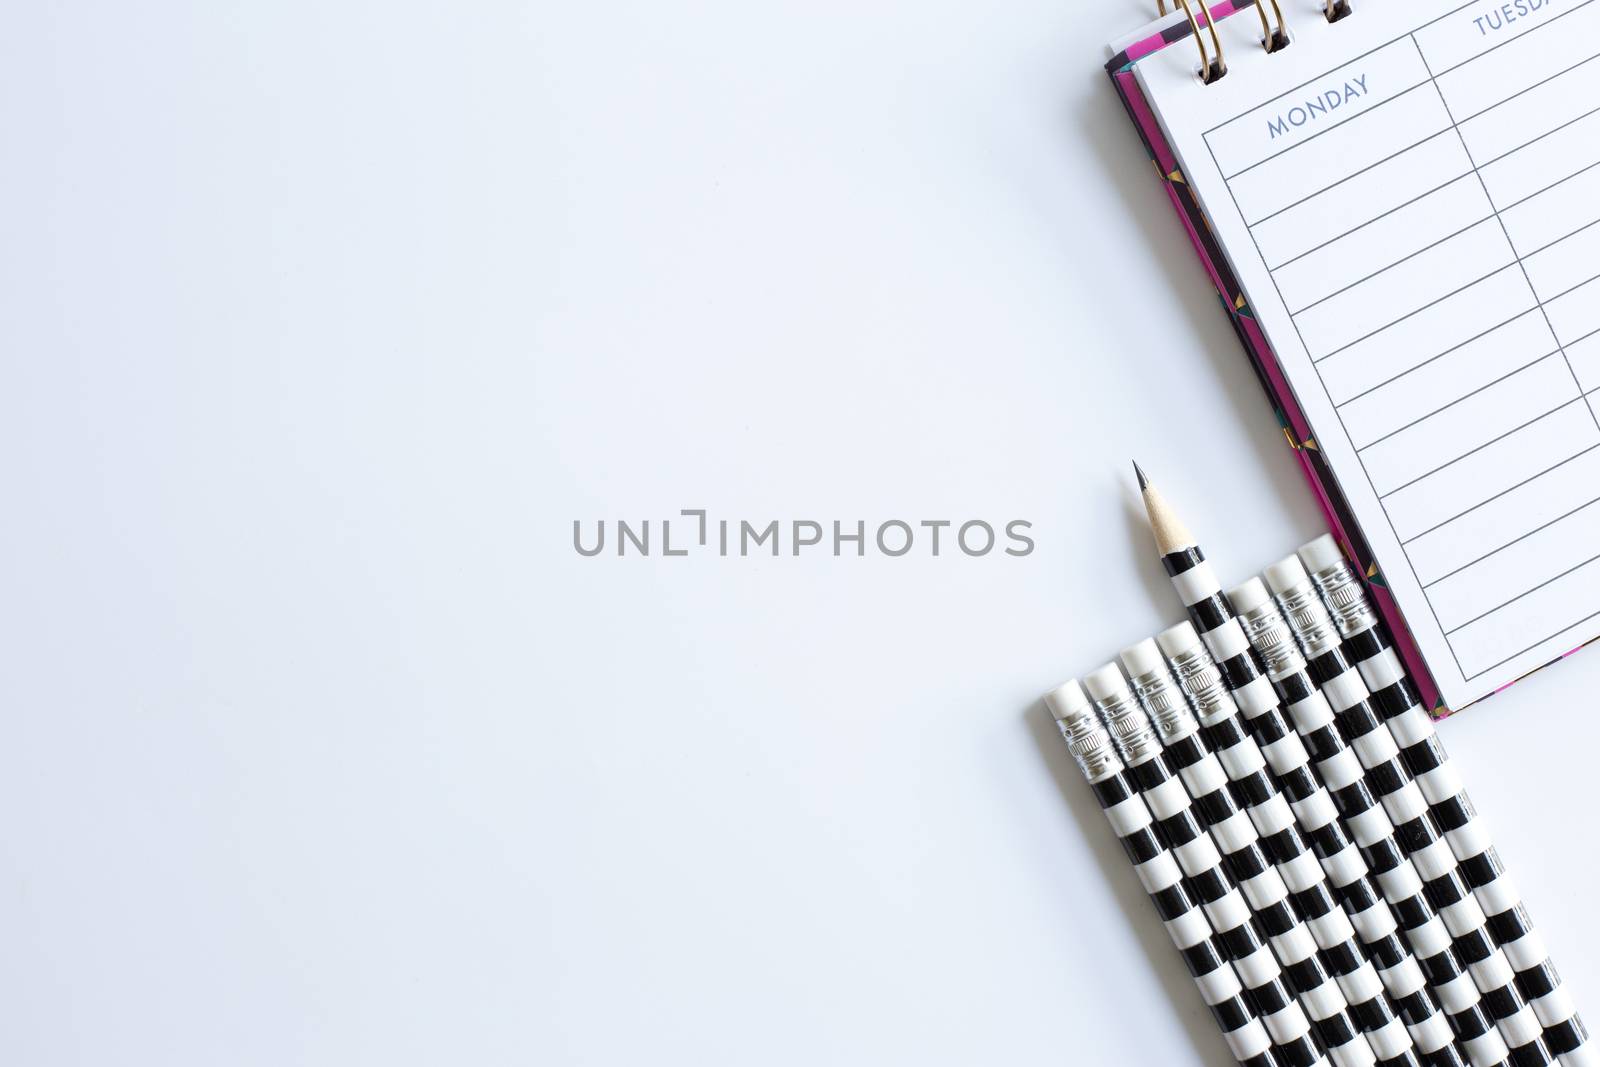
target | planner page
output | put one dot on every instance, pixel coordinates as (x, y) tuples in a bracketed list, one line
[(1410, 199)]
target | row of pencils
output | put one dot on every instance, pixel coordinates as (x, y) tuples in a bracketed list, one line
[(1273, 776)]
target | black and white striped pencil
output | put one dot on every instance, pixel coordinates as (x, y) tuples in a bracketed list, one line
[(1367, 643), (1191, 930), (1252, 691), (1366, 820), (1280, 878), (1391, 782), (1255, 696), (1283, 770), (1179, 826)]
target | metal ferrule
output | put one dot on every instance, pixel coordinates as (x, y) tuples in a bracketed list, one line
[(1309, 620), (1169, 712), (1201, 683), (1130, 727), (1090, 745), (1272, 639), (1347, 601), (1200, 680)]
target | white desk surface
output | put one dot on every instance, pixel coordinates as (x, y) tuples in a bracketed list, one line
[(323, 746)]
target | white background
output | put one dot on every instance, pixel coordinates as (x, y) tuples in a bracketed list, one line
[(321, 324)]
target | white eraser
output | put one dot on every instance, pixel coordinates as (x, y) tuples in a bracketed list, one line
[(1321, 554), (1286, 574), (1178, 640), (1105, 682), (1142, 658), (1249, 596), (1066, 699)]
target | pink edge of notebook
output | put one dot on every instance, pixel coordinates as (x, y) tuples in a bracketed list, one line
[(1296, 429)]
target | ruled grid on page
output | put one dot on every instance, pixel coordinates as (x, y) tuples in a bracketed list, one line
[(1410, 198)]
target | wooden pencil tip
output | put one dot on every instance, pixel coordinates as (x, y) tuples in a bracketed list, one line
[(1170, 532), (1144, 483)]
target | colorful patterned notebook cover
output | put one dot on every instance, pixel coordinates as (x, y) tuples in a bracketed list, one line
[(1296, 430)]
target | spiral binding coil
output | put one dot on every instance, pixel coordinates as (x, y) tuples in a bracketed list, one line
[(1212, 66), (1273, 38)]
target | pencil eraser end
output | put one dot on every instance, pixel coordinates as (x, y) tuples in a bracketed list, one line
[(1249, 596), (1178, 640), (1105, 682), (1286, 574), (1321, 554), (1066, 699), (1143, 658)]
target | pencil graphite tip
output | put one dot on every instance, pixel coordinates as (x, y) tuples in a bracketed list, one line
[(1144, 483)]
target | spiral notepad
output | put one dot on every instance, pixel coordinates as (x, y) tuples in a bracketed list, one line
[(1401, 210)]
